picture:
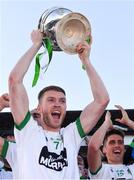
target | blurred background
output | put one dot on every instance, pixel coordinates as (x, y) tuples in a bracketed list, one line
[(112, 51)]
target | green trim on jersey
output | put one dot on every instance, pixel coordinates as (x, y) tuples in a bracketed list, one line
[(79, 127), (24, 122), (94, 173), (132, 144), (5, 148)]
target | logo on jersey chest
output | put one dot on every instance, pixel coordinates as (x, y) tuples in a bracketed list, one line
[(52, 160)]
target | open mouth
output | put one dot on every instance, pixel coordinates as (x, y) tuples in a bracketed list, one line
[(117, 151), (56, 114)]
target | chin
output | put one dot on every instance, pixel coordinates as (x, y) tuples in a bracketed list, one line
[(57, 125)]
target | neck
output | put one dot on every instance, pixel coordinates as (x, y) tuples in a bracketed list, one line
[(48, 128), (115, 162)]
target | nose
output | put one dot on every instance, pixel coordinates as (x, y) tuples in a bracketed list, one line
[(117, 144), (56, 103)]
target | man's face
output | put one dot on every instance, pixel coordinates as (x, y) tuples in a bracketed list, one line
[(53, 109), (114, 149)]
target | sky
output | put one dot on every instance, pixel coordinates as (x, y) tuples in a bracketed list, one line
[(112, 52)]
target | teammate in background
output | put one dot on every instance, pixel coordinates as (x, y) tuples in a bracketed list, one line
[(113, 148)]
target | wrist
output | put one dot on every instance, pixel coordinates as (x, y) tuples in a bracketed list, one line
[(107, 125), (37, 45), (86, 62)]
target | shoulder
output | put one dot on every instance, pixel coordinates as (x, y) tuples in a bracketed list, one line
[(102, 172), (131, 167)]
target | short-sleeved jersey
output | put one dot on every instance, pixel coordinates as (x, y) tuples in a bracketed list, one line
[(48, 155), (114, 172)]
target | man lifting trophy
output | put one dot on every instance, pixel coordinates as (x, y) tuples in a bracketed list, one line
[(46, 150)]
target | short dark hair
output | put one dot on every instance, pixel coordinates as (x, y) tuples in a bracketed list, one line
[(48, 88), (113, 131)]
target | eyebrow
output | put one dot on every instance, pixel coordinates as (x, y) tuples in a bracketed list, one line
[(119, 140), (61, 98)]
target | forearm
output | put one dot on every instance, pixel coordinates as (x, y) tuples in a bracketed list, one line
[(17, 74), (92, 113), (94, 154), (99, 91), (97, 138), (130, 124)]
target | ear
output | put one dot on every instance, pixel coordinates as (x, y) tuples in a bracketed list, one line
[(39, 108), (104, 150)]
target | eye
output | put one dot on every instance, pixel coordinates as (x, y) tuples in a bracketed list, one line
[(50, 100), (63, 101), (112, 142), (120, 142)]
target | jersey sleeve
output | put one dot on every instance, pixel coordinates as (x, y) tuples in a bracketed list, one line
[(101, 173), (24, 131), (74, 133)]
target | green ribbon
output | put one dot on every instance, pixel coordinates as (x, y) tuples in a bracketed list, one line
[(47, 43), (88, 41), (132, 144)]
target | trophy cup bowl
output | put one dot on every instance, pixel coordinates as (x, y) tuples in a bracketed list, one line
[(64, 28)]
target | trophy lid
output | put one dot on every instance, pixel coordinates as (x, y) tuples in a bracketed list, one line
[(71, 30)]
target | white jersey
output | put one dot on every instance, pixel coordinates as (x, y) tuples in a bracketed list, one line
[(5, 174), (114, 172), (47, 155)]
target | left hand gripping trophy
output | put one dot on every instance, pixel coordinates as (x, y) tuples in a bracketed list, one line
[(63, 30)]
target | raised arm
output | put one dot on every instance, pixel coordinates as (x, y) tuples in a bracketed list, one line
[(125, 118), (18, 97), (95, 142), (92, 113)]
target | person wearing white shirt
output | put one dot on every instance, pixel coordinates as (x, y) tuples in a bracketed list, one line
[(113, 148)]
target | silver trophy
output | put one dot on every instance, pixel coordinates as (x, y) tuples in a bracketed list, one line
[(64, 28)]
